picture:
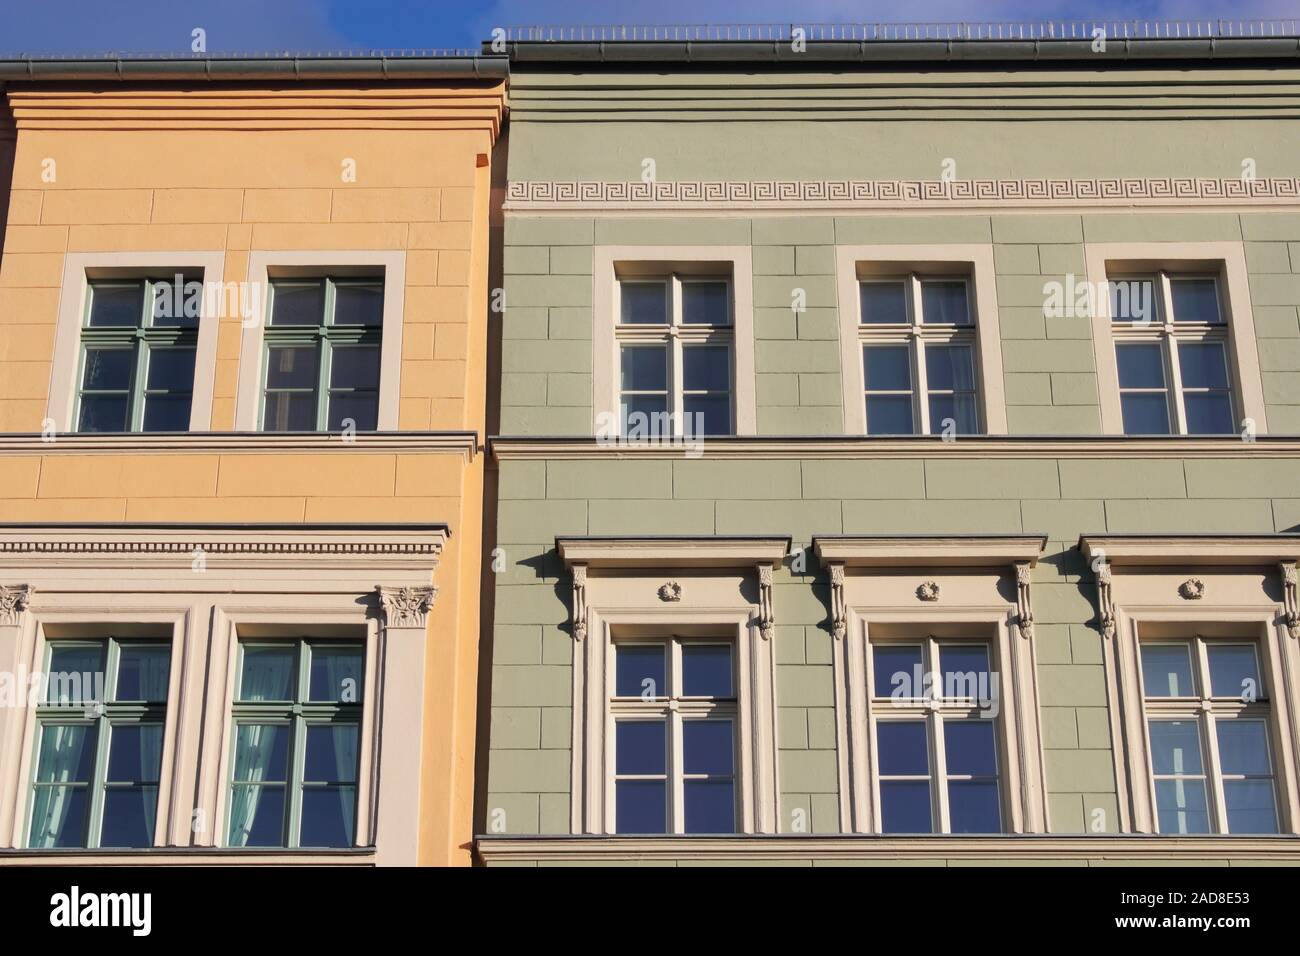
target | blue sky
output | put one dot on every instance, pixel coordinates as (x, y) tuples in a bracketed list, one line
[(96, 26)]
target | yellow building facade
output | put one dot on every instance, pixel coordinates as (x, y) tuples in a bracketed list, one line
[(242, 399)]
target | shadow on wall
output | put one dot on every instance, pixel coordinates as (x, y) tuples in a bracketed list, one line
[(8, 143)]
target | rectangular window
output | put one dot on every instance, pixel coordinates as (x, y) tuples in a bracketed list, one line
[(936, 741), (675, 336), (297, 734), (99, 740), (1171, 353), (1208, 731), (673, 707), (918, 355), (322, 343), (138, 341)]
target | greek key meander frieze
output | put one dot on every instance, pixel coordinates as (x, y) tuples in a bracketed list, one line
[(892, 192)]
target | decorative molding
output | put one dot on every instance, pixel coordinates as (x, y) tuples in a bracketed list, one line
[(1024, 607), (1193, 589), (704, 551), (670, 591), (894, 551), (927, 591), (13, 601), (579, 602), (407, 607), (71, 443), (1289, 598), (766, 617), (189, 547), (1105, 600), (543, 195), (839, 610)]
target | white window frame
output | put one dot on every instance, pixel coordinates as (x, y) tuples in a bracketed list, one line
[(972, 263), (675, 264), (1226, 262)]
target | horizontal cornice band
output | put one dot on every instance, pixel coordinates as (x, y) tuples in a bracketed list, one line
[(1163, 550), (894, 551), (569, 196), (673, 551), (465, 444), (239, 539)]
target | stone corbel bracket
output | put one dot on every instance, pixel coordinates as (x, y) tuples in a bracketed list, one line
[(1105, 600), (579, 602), (408, 606), (1290, 602), (1024, 606), (13, 601), (766, 617), (839, 610)]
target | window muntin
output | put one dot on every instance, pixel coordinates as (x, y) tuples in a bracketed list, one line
[(1207, 718), (99, 739), (936, 743), (136, 371), (1171, 352), (297, 733), (322, 352), (673, 707), (676, 346), (918, 355)]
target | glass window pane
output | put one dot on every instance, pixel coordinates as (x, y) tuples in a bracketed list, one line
[(1243, 746), (974, 806), (706, 368), (359, 303), (261, 753), (705, 303), (166, 413), (171, 369), (1202, 365), (639, 746), (708, 747), (108, 368), (964, 670), (354, 366), (1251, 806), (639, 670), (1145, 413), (970, 748), (706, 415), (1195, 300), (358, 410), (298, 303), (335, 673), (328, 816), (1140, 366), (905, 806), (641, 806), (1234, 671), (268, 673), (646, 416), (331, 753), (134, 753), (887, 368), (1181, 806), (883, 303), (176, 306), (66, 753), (129, 817), (710, 806), (889, 415), (952, 413), (902, 748), (948, 368), (897, 668), (256, 815), (291, 367), (143, 672), (290, 412), (944, 303), (59, 817), (1208, 413), (643, 303), (104, 413), (1167, 670), (706, 670), (75, 673), (1175, 747), (1132, 300), (116, 304), (644, 368)]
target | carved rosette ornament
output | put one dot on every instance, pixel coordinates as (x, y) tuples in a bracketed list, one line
[(1024, 610), (407, 607), (839, 613), (1105, 603), (1290, 603), (579, 602), (670, 591), (1193, 589), (766, 619), (928, 591), (13, 601)]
